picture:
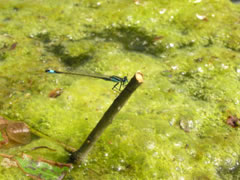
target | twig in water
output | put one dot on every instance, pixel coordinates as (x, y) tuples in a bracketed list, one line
[(79, 155)]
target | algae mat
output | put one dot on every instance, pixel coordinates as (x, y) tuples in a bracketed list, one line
[(174, 127)]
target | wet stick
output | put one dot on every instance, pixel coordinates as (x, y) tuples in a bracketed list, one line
[(78, 156)]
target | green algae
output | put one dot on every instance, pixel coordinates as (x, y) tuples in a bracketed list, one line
[(1, 137), (191, 69)]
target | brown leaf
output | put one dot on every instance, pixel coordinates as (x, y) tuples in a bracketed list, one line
[(55, 93), (233, 121), (13, 46), (13, 133), (19, 132)]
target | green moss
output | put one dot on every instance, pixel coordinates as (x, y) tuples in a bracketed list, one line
[(173, 127)]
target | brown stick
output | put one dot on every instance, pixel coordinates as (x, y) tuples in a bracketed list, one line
[(40, 134), (78, 156)]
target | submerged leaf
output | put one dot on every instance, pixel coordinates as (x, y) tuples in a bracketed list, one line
[(19, 132), (13, 133), (233, 121), (55, 93), (42, 169), (3, 122)]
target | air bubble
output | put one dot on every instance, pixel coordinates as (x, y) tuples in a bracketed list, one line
[(162, 11), (197, 1), (137, 2), (200, 69), (151, 146), (224, 66), (171, 45), (201, 17), (174, 67)]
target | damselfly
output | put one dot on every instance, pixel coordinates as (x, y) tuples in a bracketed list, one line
[(118, 80)]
